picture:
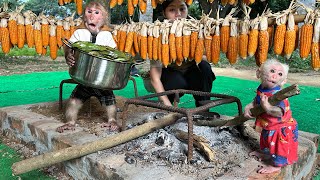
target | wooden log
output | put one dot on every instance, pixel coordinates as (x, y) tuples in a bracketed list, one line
[(73, 152), (198, 141), (256, 110)]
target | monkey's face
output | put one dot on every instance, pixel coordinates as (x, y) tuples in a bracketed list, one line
[(94, 19), (273, 76)]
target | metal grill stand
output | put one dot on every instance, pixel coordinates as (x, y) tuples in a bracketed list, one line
[(144, 101)]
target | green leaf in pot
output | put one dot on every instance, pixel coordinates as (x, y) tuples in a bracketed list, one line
[(103, 51)]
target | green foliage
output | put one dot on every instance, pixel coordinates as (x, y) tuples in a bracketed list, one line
[(26, 52), (195, 10), (48, 7)]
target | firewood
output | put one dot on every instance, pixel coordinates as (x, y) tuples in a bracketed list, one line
[(198, 141)]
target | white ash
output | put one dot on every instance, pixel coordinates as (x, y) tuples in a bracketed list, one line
[(163, 148)]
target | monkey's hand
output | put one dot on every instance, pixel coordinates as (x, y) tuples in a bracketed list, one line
[(271, 110), (247, 113), (69, 55)]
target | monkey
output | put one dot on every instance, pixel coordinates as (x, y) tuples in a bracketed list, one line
[(279, 130)]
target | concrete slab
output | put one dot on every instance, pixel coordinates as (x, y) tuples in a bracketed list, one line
[(20, 122)]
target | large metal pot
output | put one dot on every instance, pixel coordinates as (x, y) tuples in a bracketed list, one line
[(98, 72)]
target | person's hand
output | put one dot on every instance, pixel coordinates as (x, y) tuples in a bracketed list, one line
[(247, 113), (70, 58)]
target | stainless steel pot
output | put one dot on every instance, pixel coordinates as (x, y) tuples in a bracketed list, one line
[(99, 72)]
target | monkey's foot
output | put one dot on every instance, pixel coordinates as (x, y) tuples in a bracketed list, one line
[(66, 126), (268, 169), (111, 125), (259, 156)]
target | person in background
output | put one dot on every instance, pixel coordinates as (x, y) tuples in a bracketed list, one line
[(95, 30), (189, 75)]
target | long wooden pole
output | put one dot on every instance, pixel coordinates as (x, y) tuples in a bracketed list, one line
[(73, 152)]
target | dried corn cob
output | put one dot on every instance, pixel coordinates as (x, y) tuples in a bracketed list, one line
[(143, 6), (253, 37), (305, 40), (165, 46), (123, 37), (215, 44), (154, 4), (45, 31), (263, 45), (66, 28), (279, 35), (130, 8), (290, 37), (186, 42), (193, 43), (271, 33), (232, 53), (13, 28), (5, 37), (53, 46), (178, 38), (172, 42), (59, 33), (224, 36), (144, 41), (155, 41), (113, 3), (21, 31), (79, 7), (200, 46), (129, 38), (150, 42), (315, 60), (225, 31), (243, 39), (207, 38), (136, 44), (37, 37)]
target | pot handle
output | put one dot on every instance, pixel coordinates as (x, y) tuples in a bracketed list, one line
[(67, 42), (139, 62)]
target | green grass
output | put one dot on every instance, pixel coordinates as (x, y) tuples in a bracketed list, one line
[(8, 156), (44, 88), (295, 63), (26, 51)]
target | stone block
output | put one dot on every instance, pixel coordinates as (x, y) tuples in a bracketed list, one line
[(16, 124), (71, 138)]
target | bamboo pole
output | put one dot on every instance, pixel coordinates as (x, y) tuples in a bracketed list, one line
[(73, 152)]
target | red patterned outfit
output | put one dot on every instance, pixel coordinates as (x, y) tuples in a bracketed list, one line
[(279, 137)]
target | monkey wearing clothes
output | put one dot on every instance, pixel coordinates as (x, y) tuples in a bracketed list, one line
[(279, 134)]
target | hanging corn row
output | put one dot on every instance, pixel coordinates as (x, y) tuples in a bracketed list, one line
[(142, 4), (180, 40), (78, 3), (19, 29), (190, 39)]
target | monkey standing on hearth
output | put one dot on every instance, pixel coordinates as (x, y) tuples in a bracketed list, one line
[(279, 131)]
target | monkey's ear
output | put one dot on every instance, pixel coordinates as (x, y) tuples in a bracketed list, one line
[(258, 73)]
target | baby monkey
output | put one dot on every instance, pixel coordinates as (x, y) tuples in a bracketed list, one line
[(279, 131)]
